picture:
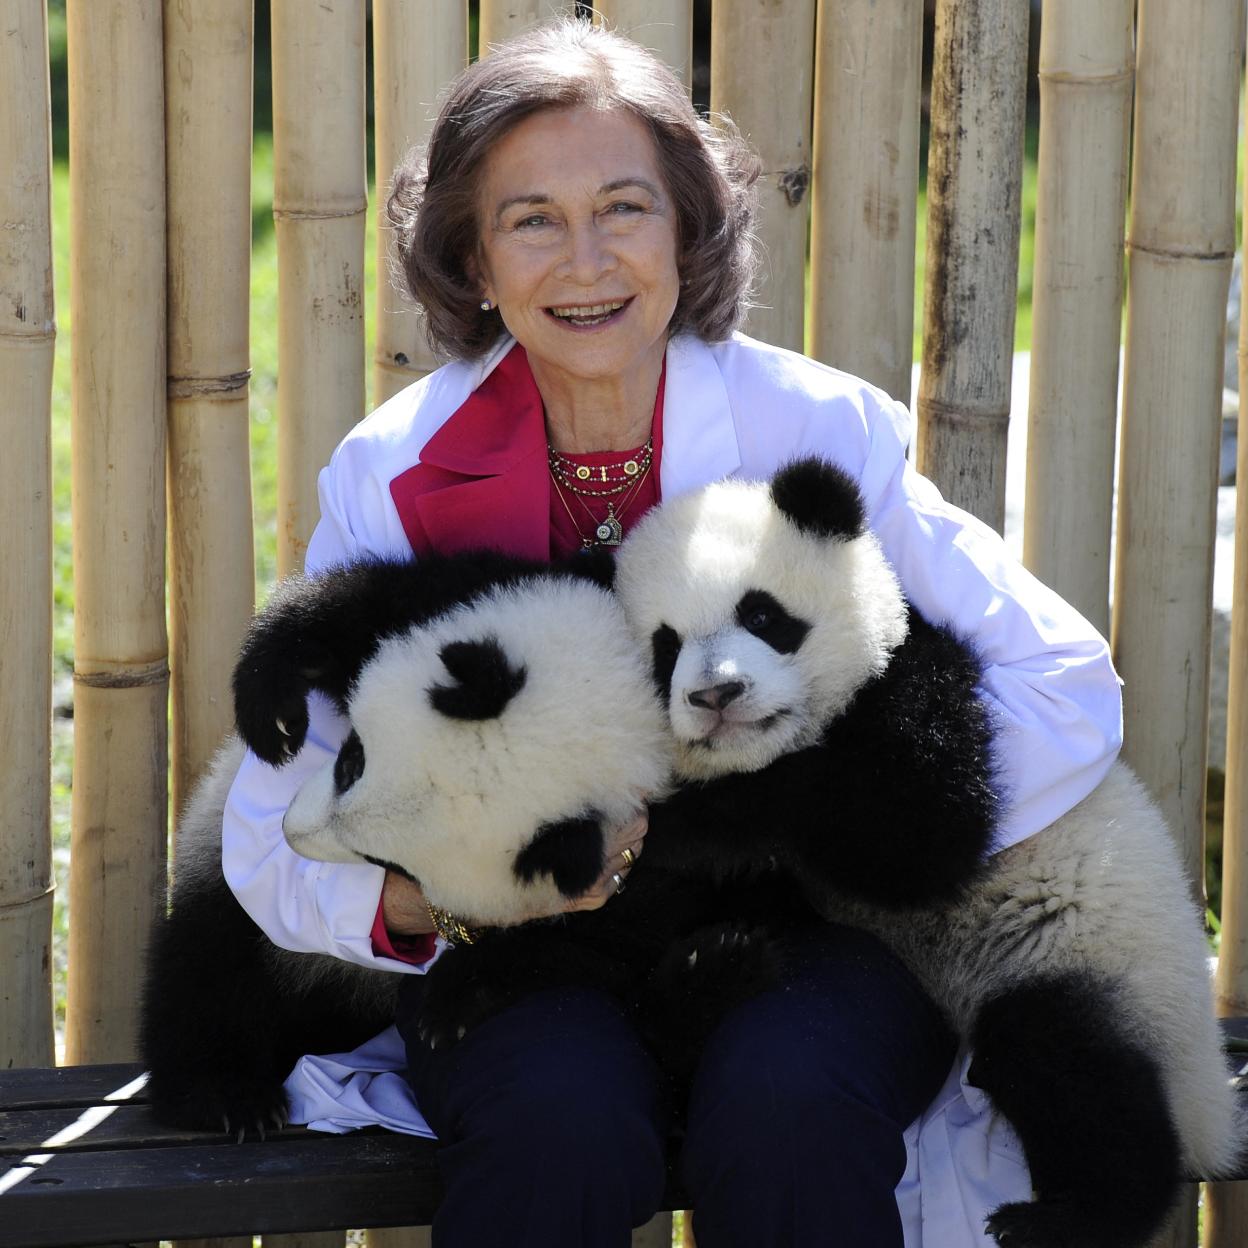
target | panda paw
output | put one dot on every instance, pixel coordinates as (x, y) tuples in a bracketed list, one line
[(274, 728), (724, 960), (1047, 1224), (239, 1110), (454, 1005), (697, 982)]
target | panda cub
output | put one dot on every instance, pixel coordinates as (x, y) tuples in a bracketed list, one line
[(485, 758), (818, 719)]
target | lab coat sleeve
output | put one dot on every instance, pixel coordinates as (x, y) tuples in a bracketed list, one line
[(308, 906), (1048, 680)]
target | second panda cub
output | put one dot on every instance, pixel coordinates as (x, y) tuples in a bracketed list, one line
[(823, 724)]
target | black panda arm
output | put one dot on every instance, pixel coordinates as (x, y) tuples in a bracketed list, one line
[(318, 632), (910, 794)]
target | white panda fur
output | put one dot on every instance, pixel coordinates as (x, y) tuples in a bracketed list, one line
[(1100, 894), (685, 565), (502, 721), (1102, 887), (453, 802)]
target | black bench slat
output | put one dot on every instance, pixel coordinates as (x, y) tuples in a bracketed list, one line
[(127, 1126), (313, 1183), (68, 1085), (128, 1179)]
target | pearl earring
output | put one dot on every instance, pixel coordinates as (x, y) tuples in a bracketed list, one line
[(486, 305)]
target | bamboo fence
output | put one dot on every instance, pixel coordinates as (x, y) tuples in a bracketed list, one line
[(868, 62), (320, 196), (121, 674), (1227, 1208), (27, 341), (208, 55), (748, 43), (974, 185), (416, 50), (1087, 70), (160, 230)]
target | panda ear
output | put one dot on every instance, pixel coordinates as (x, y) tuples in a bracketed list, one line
[(484, 679), (820, 498), (570, 852)]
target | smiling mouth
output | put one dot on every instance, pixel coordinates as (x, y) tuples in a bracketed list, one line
[(589, 314)]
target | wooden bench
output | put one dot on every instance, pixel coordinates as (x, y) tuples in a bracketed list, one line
[(82, 1162)]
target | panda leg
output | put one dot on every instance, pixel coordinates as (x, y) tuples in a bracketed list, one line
[(217, 1033), (1089, 1107)]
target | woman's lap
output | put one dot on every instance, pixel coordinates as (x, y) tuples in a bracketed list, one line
[(553, 1122)]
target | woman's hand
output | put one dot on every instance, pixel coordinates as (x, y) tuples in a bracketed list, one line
[(622, 846), (405, 913)]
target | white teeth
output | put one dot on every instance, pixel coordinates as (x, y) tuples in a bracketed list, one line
[(597, 309)]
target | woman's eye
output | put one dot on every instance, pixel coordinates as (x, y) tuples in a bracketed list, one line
[(531, 222), (624, 208)]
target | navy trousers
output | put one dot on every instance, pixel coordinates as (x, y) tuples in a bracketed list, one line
[(555, 1132)]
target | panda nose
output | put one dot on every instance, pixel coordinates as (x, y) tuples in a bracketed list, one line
[(716, 697)]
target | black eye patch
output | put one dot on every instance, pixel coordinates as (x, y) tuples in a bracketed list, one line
[(349, 765), (665, 646), (761, 614)]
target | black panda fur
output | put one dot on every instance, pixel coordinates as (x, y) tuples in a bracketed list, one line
[(226, 1013), (1073, 963)]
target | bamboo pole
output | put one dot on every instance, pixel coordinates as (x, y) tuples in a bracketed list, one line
[(319, 201), (416, 51), (868, 69), (500, 19), (762, 76), (1181, 242), (27, 344), (663, 26), (974, 184), (117, 257), (398, 1236), (306, 1239), (1087, 70), (1226, 1209), (208, 145)]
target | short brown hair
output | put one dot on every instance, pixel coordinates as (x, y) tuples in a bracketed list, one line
[(709, 172)]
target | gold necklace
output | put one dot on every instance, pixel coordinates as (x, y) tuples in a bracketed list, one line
[(574, 477), (609, 531)]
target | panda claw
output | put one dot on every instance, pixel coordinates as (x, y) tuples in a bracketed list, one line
[(242, 1135), (281, 727), (461, 1033)]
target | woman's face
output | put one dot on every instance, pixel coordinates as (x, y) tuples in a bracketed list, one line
[(578, 242)]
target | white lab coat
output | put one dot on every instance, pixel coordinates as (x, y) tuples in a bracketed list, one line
[(735, 408)]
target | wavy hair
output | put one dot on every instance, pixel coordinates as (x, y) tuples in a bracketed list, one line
[(708, 169)]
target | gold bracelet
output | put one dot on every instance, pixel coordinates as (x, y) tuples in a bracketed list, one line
[(452, 930)]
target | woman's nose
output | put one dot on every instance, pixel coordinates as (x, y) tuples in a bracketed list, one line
[(588, 255)]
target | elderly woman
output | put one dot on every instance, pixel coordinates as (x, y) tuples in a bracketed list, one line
[(579, 241)]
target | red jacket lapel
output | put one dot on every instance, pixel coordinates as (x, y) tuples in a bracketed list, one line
[(483, 479)]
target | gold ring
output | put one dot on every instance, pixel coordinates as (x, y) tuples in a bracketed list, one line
[(628, 856), (618, 880)]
